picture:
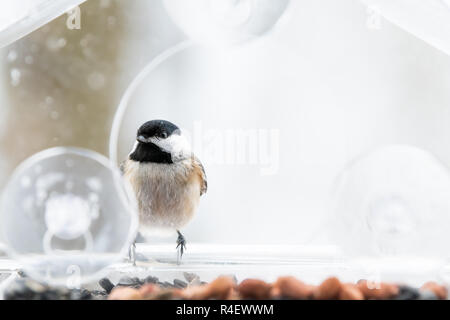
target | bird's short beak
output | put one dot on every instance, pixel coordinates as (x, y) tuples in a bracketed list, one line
[(142, 139)]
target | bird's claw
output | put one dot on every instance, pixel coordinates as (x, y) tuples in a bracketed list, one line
[(181, 246)]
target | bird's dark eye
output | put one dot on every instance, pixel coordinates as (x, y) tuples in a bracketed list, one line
[(163, 135)]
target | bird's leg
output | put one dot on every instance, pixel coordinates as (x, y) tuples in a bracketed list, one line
[(132, 253), (181, 246)]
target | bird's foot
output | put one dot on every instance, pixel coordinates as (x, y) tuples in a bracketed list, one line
[(181, 246), (132, 254)]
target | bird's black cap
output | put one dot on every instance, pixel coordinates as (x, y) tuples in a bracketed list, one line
[(146, 150), (158, 129)]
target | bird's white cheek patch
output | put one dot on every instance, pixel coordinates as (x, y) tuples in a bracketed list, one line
[(134, 148), (177, 145)]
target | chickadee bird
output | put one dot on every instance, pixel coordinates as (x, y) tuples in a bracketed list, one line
[(167, 179)]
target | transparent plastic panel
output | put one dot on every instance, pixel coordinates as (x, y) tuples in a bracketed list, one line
[(274, 115), (428, 20), (19, 18)]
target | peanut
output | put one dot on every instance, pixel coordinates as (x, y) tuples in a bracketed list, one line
[(254, 289), (125, 293), (379, 291), (291, 288), (221, 289), (438, 290), (350, 291), (328, 290), (149, 289)]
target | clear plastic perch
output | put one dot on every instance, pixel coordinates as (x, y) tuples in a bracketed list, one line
[(66, 214)]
